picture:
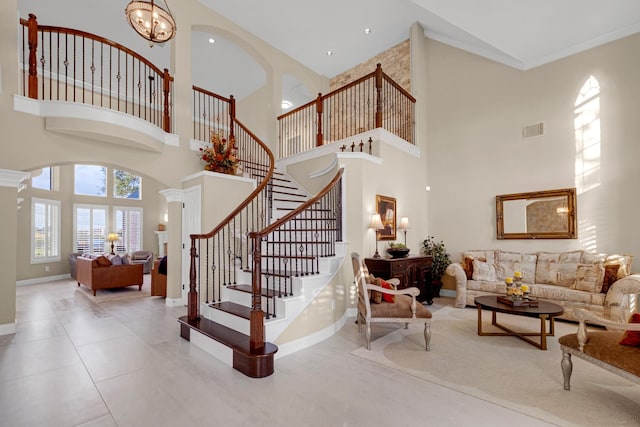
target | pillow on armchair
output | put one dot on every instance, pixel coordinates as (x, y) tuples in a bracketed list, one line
[(143, 257)]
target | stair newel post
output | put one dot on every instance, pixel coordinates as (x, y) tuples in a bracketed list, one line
[(32, 27), (378, 96), (256, 325), (319, 111), (232, 115), (192, 309), (166, 90)]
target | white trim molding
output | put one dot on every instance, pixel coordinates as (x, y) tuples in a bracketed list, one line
[(173, 195), (10, 178), (8, 329)]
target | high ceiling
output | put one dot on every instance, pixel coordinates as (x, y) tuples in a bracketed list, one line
[(520, 33)]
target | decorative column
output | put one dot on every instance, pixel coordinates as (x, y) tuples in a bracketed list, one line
[(174, 199), (10, 184)]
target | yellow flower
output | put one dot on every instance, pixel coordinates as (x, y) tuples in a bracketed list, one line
[(517, 275), (508, 280), (525, 288)]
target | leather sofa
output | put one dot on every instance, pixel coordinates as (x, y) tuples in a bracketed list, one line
[(97, 274)]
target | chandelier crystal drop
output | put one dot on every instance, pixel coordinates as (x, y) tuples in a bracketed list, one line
[(152, 21)]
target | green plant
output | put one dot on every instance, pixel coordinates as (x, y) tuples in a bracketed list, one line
[(439, 254), (397, 245)]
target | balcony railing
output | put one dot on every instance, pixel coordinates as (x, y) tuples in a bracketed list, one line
[(63, 64), (371, 102)]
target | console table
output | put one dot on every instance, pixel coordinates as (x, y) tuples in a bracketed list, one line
[(414, 270)]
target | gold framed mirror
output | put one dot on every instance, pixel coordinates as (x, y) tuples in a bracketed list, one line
[(537, 215)]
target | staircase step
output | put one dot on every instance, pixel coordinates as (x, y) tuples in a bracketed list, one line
[(290, 256), (241, 311), (270, 293), (278, 273), (256, 364)]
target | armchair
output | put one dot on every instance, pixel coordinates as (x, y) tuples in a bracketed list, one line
[(143, 257), (405, 309)]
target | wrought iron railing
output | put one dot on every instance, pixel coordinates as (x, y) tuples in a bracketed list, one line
[(371, 102), (63, 64)]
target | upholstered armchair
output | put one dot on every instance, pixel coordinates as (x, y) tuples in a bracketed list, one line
[(143, 257), (73, 262), (404, 309)]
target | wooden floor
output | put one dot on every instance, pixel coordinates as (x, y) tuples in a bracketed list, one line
[(123, 363)]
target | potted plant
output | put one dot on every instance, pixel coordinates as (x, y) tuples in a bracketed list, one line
[(440, 260)]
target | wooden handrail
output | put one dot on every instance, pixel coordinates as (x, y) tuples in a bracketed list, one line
[(398, 87), (211, 94)]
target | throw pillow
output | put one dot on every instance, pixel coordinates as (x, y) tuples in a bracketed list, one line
[(624, 261), (467, 266), (375, 297), (116, 260), (103, 261), (139, 257), (589, 277), (126, 259), (632, 337), (387, 297), (484, 271), (610, 276)]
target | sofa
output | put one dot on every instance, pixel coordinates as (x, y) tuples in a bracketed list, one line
[(98, 272), (576, 279), (143, 257)]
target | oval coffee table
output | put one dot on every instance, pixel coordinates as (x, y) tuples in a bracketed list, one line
[(545, 310)]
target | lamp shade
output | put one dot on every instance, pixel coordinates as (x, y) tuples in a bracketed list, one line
[(376, 222), (151, 21), (113, 237), (404, 223)]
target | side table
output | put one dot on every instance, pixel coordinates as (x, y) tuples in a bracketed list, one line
[(412, 271)]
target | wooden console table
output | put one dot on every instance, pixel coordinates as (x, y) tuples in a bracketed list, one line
[(414, 270)]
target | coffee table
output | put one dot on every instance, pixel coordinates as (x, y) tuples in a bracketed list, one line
[(545, 310)]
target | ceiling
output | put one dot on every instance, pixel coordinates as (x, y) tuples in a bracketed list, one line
[(519, 33)]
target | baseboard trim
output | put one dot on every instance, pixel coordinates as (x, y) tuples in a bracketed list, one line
[(8, 328), (312, 339), (45, 279), (173, 302), (448, 293)]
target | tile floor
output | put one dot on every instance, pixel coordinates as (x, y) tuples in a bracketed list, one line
[(74, 362)]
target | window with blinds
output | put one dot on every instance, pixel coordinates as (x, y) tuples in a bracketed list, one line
[(45, 230), (128, 225), (89, 228)]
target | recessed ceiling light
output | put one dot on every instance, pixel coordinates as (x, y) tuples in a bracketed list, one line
[(286, 104), (367, 31), (329, 53), (211, 40)]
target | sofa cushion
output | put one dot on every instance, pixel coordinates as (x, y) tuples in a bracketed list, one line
[(589, 277), (494, 287), (558, 268), (487, 255), (509, 262), (116, 260), (610, 276), (103, 261), (563, 294), (401, 308), (624, 261), (632, 338), (484, 271), (126, 259)]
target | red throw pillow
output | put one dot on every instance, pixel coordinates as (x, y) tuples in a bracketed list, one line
[(387, 297), (632, 337)]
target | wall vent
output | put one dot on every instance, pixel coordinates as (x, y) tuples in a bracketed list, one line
[(533, 130)]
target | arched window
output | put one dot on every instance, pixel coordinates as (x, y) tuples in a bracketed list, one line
[(587, 135)]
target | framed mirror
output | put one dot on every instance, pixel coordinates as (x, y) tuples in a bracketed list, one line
[(538, 215)]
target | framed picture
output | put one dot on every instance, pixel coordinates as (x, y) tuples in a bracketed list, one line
[(386, 207)]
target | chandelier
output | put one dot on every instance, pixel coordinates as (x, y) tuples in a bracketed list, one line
[(151, 21)]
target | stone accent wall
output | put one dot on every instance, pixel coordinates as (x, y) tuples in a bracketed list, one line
[(396, 63)]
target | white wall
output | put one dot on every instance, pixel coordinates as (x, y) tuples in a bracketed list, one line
[(476, 112)]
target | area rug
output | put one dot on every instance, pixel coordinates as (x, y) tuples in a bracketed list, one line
[(508, 371), (116, 294)]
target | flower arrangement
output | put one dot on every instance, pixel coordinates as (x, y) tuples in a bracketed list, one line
[(221, 155)]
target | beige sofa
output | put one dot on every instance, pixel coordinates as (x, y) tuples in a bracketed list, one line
[(576, 279)]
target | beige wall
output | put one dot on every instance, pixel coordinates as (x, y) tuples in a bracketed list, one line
[(476, 111), (153, 205)]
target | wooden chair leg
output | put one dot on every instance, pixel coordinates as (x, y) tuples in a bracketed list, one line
[(367, 335), (567, 367), (427, 335)]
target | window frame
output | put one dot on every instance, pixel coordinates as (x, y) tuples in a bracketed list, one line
[(93, 207), (52, 240), (122, 245)]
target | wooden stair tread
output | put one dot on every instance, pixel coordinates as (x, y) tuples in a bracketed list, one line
[(232, 308), (256, 364), (271, 293)]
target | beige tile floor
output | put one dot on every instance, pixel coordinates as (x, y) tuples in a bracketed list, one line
[(75, 362)]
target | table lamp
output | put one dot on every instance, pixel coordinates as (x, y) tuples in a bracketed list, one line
[(404, 226), (376, 224), (113, 237)]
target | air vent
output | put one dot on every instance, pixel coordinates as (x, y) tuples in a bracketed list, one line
[(533, 130)]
